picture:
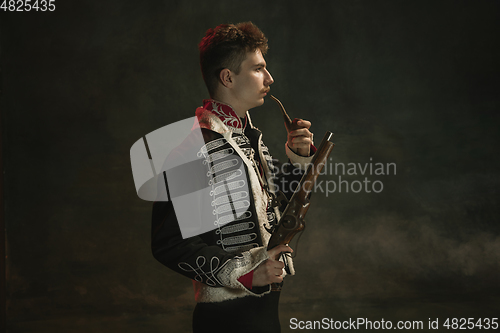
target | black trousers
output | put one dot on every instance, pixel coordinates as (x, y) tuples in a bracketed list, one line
[(242, 315)]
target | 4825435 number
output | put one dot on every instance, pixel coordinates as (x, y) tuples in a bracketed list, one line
[(471, 323), (28, 5)]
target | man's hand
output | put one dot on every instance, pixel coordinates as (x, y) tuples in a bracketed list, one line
[(270, 271), (300, 140)]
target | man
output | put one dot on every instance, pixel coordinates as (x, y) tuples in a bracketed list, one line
[(230, 266)]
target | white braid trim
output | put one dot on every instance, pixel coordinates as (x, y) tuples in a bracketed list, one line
[(234, 269)]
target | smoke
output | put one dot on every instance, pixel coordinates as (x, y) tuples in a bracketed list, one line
[(442, 239)]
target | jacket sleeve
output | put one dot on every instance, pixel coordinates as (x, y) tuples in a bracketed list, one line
[(298, 160), (194, 258)]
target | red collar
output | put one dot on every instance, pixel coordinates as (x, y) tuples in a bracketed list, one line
[(226, 114)]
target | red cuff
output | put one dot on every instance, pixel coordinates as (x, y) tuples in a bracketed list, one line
[(247, 280)]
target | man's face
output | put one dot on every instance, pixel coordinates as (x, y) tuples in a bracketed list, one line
[(251, 85)]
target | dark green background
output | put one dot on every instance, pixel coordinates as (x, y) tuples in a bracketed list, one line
[(412, 83)]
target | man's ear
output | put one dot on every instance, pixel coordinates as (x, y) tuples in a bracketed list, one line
[(225, 77)]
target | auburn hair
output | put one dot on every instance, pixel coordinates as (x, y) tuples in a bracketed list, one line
[(226, 46)]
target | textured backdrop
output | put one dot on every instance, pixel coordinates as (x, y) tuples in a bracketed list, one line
[(410, 83)]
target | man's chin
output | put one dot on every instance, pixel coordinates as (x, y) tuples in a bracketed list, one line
[(258, 103)]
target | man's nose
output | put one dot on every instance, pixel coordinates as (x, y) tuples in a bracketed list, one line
[(269, 78)]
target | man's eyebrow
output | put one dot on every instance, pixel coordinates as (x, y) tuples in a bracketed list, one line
[(260, 64)]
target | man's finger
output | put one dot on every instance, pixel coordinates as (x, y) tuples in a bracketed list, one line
[(300, 132), (304, 123), (278, 249)]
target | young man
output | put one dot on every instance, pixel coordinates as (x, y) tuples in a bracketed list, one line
[(231, 268)]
